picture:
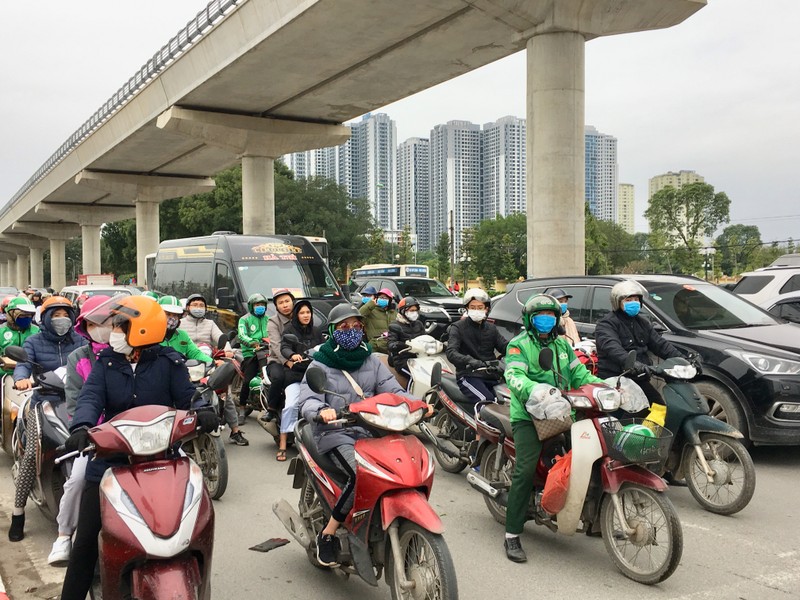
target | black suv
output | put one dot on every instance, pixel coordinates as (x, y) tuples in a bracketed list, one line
[(438, 307), (751, 359)]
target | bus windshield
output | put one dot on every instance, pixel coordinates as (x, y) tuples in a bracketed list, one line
[(306, 280)]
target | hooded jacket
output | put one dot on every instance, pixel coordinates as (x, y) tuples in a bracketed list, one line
[(400, 332), (308, 335), (79, 365), (251, 331), (469, 341)]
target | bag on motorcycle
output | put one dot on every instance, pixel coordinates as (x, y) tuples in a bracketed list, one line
[(554, 496), (588, 360), (547, 428)]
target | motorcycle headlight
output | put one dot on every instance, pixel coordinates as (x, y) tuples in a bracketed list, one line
[(150, 438), (433, 347), (766, 364), (579, 401), (393, 418), (681, 371), (608, 399)]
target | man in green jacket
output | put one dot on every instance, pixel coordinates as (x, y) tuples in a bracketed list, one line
[(253, 335), (540, 317), (18, 326)]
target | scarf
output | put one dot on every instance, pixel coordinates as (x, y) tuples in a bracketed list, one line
[(333, 356)]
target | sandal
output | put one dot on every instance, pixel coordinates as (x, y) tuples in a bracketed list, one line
[(281, 456)]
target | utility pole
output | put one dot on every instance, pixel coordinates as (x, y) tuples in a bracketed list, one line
[(452, 250)]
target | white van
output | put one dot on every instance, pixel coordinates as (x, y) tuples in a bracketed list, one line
[(762, 285)]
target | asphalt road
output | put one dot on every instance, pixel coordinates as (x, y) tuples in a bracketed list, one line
[(754, 555)]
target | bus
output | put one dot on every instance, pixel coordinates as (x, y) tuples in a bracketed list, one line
[(389, 271), (321, 244)]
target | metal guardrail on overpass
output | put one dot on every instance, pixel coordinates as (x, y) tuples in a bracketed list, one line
[(195, 29)]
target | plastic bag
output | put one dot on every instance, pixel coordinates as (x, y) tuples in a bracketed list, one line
[(554, 496), (633, 398)]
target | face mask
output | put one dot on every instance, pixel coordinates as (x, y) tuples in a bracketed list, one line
[(382, 302), (365, 299), (348, 339), (564, 308), (100, 334), (197, 313), (60, 325), (544, 323), (412, 316), (476, 315), (118, 343), (259, 311), (23, 322), (631, 308), (172, 323)]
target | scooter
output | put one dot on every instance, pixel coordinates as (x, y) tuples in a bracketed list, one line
[(707, 452), (51, 413), (609, 489), (157, 533), (392, 528), (428, 351)]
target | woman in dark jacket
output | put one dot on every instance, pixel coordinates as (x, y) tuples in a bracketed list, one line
[(161, 377), (405, 327), (299, 337)]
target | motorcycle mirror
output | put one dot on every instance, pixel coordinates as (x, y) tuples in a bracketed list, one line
[(316, 379), (630, 360), (436, 374), (16, 353), (222, 341), (51, 380), (232, 334), (546, 359), (222, 376)]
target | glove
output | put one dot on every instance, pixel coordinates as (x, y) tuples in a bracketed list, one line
[(207, 421), (640, 369), (475, 364), (78, 440)]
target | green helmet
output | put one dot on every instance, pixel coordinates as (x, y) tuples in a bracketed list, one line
[(20, 304), (152, 295), (254, 383), (171, 305), (253, 299), (537, 304)]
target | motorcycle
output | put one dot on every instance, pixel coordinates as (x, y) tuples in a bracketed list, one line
[(157, 531), (608, 486), (428, 351), (12, 401), (392, 528), (52, 418), (707, 452)]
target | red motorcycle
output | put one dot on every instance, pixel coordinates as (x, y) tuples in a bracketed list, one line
[(392, 526), (157, 531)]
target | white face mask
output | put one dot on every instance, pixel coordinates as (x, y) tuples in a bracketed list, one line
[(100, 335), (476, 315), (412, 316), (118, 343)]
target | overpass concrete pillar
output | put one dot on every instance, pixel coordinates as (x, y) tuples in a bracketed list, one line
[(37, 267), (58, 264), (57, 233), (555, 148), (90, 243), (4, 273), (11, 269), (23, 277), (258, 195), (147, 236)]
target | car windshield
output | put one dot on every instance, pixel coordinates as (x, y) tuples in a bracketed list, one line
[(705, 306), (306, 280), (421, 288)]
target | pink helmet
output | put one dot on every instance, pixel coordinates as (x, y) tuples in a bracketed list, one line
[(387, 292), (89, 305)]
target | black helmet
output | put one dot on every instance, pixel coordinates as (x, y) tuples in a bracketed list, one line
[(340, 312), (557, 293), (193, 297), (407, 303)]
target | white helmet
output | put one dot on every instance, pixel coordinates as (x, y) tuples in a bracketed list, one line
[(476, 294), (626, 288)]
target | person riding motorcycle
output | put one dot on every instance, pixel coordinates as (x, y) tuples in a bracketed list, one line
[(176, 338), (540, 319), (406, 327), (252, 334), (378, 314), (472, 342), (343, 356), (18, 326), (368, 293), (568, 329), (161, 377), (49, 348), (3, 304), (284, 302)]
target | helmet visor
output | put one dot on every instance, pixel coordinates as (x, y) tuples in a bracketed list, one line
[(105, 313)]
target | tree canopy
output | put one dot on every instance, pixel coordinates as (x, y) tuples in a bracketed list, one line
[(498, 248)]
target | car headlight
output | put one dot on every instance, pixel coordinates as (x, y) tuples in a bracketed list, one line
[(150, 438), (432, 310), (608, 398), (766, 364)]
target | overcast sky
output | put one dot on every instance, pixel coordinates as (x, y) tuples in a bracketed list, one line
[(718, 94)]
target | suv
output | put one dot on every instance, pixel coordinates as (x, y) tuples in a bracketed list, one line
[(762, 285), (438, 307), (751, 359), (73, 292)]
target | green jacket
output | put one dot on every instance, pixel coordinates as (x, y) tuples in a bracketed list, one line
[(523, 371), (251, 330), (181, 342), (14, 337), (376, 323)]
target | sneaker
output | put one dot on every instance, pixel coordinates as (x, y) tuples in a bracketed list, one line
[(239, 439), (17, 530), (59, 555), (268, 416), (327, 550), (514, 551)]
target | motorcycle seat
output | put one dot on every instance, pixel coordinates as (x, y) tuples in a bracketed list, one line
[(499, 417), (450, 387), (322, 459)]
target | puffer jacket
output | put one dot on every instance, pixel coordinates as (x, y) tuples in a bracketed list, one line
[(468, 341), (307, 337), (201, 331), (617, 334), (79, 365), (373, 377), (113, 386), (400, 332), (275, 329)]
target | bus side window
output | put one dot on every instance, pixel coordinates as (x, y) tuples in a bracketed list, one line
[(198, 279), (224, 288), (169, 277)]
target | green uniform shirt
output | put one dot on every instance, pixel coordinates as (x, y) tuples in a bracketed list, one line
[(181, 342), (14, 337), (251, 330)]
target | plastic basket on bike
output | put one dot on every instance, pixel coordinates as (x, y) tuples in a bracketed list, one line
[(632, 441)]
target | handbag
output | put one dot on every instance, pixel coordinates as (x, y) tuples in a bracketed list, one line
[(554, 496), (547, 428)]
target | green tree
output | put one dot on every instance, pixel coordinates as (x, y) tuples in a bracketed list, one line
[(118, 248), (736, 248), (443, 257), (497, 248), (404, 246)]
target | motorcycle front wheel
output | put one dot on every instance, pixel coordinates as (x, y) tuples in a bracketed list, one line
[(649, 553), (310, 509), (208, 451), (446, 429), (504, 474), (426, 563), (734, 479)]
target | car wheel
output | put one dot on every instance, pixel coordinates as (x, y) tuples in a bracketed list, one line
[(723, 405)]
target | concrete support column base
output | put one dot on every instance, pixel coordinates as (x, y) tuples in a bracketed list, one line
[(90, 242), (37, 267), (258, 195), (58, 264), (555, 148), (147, 236)]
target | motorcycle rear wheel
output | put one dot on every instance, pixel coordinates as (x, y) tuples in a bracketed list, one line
[(426, 562), (504, 474), (444, 425), (208, 452), (735, 482), (652, 553)]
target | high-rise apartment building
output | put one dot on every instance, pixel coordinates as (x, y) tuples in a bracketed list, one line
[(322, 162), (413, 190), (455, 172), (676, 180), (503, 165), (601, 173), (373, 152), (625, 207)]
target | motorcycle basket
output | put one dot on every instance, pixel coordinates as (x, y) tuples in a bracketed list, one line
[(636, 441)]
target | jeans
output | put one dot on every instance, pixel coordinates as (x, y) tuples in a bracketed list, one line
[(290, 410)]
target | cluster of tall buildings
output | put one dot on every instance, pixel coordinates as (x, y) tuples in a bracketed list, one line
[(461, 174)]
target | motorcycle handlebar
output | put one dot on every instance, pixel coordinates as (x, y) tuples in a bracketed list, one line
[(74, 453)]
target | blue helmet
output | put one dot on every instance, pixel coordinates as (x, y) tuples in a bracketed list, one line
[(369, 291)]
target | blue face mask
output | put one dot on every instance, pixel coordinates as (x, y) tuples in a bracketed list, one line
[(544, 323), (564, 308), (23, 322), (631, 308), (259, 311), (365, 299), (348, 339), (382, 302)]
